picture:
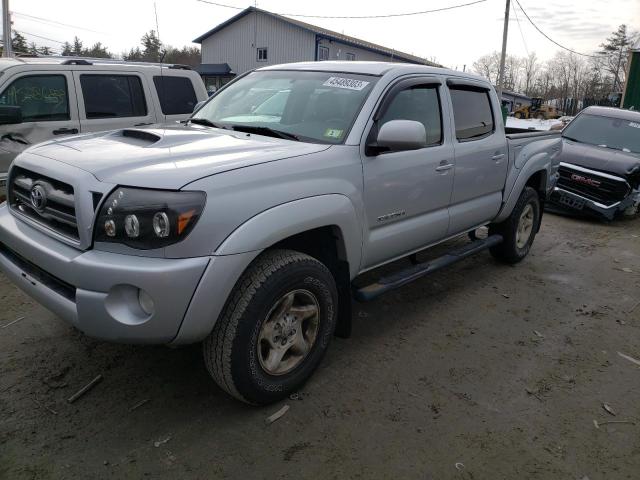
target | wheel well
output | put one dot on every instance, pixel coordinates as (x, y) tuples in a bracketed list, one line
[(326, 244), (538, 181)]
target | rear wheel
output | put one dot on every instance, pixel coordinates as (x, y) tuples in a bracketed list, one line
[(519, 229), (275, 328)]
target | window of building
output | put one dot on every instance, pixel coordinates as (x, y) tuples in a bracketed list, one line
[(323, 53), (472, 113), (113, 96), (40, 97), (420, 103), (262, 54), (350, 57), (176, 94)]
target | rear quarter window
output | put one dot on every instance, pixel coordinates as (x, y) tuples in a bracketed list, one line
[(176, 94), (472, 113)]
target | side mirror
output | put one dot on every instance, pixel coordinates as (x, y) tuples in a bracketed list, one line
[(398, 135), (10, 115), (198, 105)]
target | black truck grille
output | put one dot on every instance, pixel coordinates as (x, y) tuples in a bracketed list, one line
[(606, 190), (44, 200)]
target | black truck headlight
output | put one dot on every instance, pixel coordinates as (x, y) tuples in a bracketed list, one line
[(146, 219)]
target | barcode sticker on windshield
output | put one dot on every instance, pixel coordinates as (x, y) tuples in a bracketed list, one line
[(348, 83), (634, 124)]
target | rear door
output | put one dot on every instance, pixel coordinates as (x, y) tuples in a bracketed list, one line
[(481, 159), (49, 110), (407, 193), (109, 100)]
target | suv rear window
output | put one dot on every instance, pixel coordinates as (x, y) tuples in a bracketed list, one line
[(176, 95), (113, 96), (472, 113)]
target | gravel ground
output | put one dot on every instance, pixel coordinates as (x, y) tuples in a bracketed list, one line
[(481, 371)]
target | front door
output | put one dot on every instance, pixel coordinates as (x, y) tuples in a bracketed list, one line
[(407, 193), (480, 157), (48, 104)]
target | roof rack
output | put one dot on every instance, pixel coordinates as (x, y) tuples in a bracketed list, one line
[(178, 66), (75, 61)]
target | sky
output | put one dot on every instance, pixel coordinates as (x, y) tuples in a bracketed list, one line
[(454, 38)]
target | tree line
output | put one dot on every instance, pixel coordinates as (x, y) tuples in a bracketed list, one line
[(151, 49), (567, 77)]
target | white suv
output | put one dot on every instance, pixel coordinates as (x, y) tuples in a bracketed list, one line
[(45, 97)]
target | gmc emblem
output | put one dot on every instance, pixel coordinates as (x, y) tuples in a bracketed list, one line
[(587, 181)]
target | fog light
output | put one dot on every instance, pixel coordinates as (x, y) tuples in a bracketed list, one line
[(132, 226), (110, 228), (161, 224), (146, 302)]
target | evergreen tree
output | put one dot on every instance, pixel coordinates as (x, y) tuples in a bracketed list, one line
[(616, 51), (77, 49), (151, 47), (19, 43), (33, 49), (67, 49)]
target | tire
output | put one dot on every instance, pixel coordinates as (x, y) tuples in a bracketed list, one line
[(513, 249), (238, 351)]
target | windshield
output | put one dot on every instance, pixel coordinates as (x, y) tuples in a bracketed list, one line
[(615, 133), (309, 106)]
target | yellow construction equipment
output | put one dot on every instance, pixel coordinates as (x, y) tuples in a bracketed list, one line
[(538, 110)]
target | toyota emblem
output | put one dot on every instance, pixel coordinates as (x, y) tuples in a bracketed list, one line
[(38, 197)]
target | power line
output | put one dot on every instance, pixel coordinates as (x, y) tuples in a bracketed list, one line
[(524, 42), (39, 36), (356, 17), (45, 20), (551, 39)]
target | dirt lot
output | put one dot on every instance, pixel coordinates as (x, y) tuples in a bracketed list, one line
[(481, 371)]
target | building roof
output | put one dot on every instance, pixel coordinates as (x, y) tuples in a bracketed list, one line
[(214, 69), (323, 32)]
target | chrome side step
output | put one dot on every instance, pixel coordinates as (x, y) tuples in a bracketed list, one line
[(401, 278)]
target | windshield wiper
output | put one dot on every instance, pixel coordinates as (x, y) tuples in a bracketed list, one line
[(265, 131), (572, 139), (206, 123)]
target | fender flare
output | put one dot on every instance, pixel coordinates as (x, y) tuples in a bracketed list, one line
[(282, 221), (537, 163)]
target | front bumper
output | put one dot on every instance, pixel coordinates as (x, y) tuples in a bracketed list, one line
[(98, 291), (570, 201)]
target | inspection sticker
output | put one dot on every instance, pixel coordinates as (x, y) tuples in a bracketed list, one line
[(634, 124), (333, 133), (348, 83)]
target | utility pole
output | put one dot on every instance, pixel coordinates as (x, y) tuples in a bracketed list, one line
[(7, 51), (504, 50)]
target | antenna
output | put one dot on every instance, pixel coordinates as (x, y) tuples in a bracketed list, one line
[(163, 53)]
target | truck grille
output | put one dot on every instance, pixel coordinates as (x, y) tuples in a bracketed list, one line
[(599, 187), (44, 200)]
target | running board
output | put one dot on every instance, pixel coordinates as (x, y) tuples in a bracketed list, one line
[(415, 272)]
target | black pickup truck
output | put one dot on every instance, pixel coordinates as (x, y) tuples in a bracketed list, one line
[(600, 164)]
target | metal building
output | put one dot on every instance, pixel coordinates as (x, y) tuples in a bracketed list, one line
[(254, 38)]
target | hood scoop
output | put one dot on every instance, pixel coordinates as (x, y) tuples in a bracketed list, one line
[(141, 135)]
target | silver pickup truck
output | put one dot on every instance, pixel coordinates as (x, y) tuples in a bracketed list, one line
[(247, 227)]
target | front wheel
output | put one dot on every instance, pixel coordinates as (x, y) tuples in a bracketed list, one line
[(519, 229), (275, 328)]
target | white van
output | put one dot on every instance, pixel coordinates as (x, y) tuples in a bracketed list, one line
[(48, 97)]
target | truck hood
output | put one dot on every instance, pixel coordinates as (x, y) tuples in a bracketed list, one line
[(168, 157), (600, 158)]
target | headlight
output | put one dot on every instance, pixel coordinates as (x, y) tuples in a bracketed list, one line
[(148, 219)]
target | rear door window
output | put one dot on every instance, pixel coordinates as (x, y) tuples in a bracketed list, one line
[(41, 98), (176, 94), (472, 113), (113, 96)]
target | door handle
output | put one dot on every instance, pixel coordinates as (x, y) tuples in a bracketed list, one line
[(65, 131), (444, 168), (142, 124), (498, 157)]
